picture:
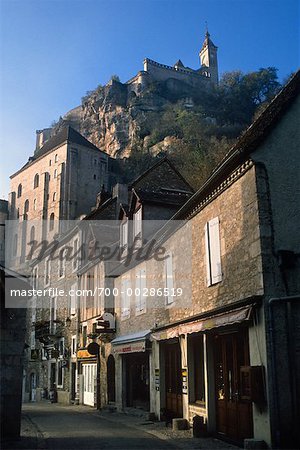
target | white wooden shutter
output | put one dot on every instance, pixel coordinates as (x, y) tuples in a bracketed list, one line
[(213, 252)]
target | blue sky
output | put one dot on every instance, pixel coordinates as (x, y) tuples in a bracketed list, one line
[(53, 51)]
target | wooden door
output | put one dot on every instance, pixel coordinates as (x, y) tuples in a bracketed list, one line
[(234, 416), (173, 379)]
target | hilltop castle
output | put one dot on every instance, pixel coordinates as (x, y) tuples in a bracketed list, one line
[(153, 71)]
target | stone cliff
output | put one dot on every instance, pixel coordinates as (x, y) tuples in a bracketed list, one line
[(114, 118)]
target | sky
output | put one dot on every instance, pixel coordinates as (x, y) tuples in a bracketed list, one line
[(53, 51)]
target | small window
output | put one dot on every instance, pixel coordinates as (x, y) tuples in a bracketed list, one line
[(62, 263), (140, 285), (56, 158), (26, 209), (36, 181), (74, 345), (50, 162), (19, 190), (54, 196), (95, 176), (47, 271), (32, 233), (51, 225), (75, 255), (213, 252), (34, 204), (55, 173)]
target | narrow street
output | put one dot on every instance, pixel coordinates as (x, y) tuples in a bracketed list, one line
[(69, 427)]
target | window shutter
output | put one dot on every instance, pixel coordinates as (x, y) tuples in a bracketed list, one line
[(143, 286), (73, 300), (213, 252)]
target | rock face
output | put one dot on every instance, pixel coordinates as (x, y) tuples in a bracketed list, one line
[(114, 118)]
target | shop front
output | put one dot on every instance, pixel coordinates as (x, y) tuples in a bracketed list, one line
[(134, 352), (206, 364)]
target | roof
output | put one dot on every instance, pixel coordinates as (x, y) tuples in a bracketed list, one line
[(138, 336), (179, 63), (247, 143), (67, 134), (207, 41), (169, 198)]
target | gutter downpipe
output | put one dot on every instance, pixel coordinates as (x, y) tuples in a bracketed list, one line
[(271, 301)]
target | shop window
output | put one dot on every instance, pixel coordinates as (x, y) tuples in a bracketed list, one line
[(140, 297), (213, 252), (169, 279), (197, 384)]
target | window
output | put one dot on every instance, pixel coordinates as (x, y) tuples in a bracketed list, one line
[(95, 177), (84, 335), (19, 190), (54, 196), (62, 263), (15, 245), (47, 271), (26, 209), (51, 225), (73, 300), (197, 383), (34, 204), (125, 298), (213, 252), (56, 158), (32, 233), (32, 339), (60, 374), (124, 235), (169, 278), (36, 181), (50, 162), (75, 255), (61, 347), (53, 305), (137, 223), (55, 173), (140, 285), (90, 289), (35, 278), (74, 345)]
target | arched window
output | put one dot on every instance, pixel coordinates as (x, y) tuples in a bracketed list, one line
[(56, 158), (19, 190), (51, 221), (36, 181), (32, 233), (26, 209), (50, 162)]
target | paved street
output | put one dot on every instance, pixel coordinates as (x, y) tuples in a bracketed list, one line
[(47, 426), (70, 427)]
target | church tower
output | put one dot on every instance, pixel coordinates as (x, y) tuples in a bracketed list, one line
[(208, 58)]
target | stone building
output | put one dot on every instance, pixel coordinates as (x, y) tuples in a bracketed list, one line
[(230, 354), (204, 77)]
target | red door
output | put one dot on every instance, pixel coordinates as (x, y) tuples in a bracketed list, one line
[(234, 416)]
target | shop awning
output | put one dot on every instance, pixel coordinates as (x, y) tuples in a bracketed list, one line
[(131, 343), (219, 320)]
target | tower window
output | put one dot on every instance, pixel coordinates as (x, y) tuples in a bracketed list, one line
[(19, 190), (54, 196), (36, 181)]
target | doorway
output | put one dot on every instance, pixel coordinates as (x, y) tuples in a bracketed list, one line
[(173, 380), (137, 381), (234, 415), (111, 384), (89, 378)]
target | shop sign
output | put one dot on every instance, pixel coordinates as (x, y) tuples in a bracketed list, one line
[(131, 347), (184, 381), (84, 354)]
